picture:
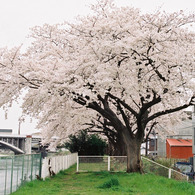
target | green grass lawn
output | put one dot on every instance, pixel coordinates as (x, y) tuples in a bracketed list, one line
[(69, 182)]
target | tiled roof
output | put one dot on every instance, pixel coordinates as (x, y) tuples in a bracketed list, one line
[(179, 142)]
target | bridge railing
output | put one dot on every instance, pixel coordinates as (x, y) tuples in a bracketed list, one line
[(16, 170)]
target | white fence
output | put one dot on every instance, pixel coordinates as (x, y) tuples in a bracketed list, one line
[(54, 164), (158, 169), (119, 163), (101, 163)]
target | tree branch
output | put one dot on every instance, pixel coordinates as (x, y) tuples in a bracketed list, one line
[(124, 104), (124, 117), (108, 114), (147, 105), (35, 86), (151, 128), (169, 111)]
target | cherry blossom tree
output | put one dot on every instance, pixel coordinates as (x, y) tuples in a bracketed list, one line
[(117, 72)]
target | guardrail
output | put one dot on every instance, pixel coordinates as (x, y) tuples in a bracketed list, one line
[(119, 163), (151, 166)]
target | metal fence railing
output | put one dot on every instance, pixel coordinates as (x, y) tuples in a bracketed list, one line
[(16, 170), (101, 163), (150, 166), (119, 163)]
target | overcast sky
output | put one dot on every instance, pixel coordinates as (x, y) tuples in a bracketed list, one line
[(17, 16)]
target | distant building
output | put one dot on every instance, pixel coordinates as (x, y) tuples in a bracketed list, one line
[(179, 148), (5, 131), (183, 131)]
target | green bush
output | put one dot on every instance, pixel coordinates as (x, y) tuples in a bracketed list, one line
[(164, 161), (112, 182), (86, 144)]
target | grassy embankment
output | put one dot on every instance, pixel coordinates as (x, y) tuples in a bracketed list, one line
[(69, 182)]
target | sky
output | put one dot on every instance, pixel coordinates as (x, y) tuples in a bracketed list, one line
[(18, 16)]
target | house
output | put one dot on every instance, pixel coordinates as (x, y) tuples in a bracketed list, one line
[(179, 148), (182, 130)]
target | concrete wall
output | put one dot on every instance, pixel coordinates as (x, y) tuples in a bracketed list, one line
[(28, 144), (161, 150), (55, 164)]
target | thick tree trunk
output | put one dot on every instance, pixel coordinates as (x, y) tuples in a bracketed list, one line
[(134, 163), (133, 147), (119, 148)]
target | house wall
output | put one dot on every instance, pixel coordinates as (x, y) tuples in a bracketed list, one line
[(168, 150), (153, 145), (182, 130), (161, 150), (180, 152)]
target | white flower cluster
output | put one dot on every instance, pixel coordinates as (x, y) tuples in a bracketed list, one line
[(131, 55)]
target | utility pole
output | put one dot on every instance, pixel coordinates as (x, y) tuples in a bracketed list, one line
[(20, 120), (193, 136), (19, 127)]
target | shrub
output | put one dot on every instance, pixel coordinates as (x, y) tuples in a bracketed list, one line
[(86, 144), (112, 182)]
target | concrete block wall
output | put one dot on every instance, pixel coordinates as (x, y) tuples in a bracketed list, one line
[(54, 164)]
